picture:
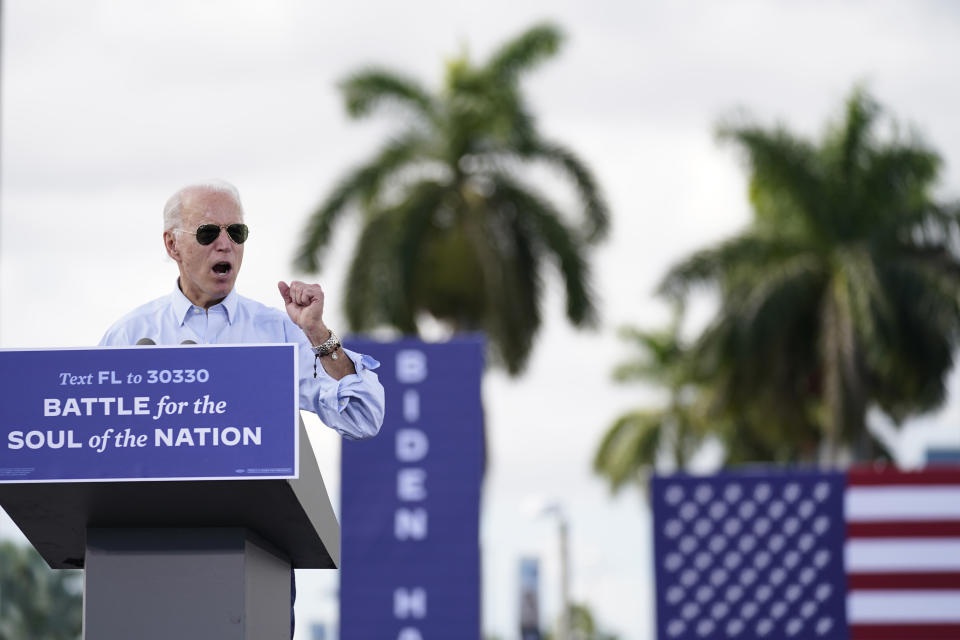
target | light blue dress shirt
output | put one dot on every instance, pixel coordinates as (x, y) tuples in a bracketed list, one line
[(353, 406)]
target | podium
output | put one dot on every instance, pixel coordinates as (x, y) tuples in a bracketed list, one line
[(183, 559), (195, 558)]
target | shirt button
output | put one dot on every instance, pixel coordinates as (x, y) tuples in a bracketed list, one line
[(196, 310), (343, 403)]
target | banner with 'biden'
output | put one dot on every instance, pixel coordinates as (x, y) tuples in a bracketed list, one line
[(411, 498), (148, 413)]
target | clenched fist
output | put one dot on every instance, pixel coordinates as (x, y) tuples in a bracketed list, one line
[(304, 304)]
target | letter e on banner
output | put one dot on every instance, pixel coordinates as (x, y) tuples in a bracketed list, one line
[(410, 484)]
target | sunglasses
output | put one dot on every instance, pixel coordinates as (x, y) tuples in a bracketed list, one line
[(207, 233)]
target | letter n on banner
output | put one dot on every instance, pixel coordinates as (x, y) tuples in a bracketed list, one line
[(410, 536)]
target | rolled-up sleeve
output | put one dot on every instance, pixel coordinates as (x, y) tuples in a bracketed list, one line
[(352, 406)]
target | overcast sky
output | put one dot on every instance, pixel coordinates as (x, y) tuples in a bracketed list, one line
[(110, 106)]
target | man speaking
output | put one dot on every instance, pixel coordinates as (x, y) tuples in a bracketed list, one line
[(204, 233)]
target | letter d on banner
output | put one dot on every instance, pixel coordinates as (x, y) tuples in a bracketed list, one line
[(412, 445)]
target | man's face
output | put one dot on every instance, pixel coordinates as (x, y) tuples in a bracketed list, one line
[(207, 272)]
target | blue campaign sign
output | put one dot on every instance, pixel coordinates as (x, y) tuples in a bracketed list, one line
[(411, 499), (149, 413)]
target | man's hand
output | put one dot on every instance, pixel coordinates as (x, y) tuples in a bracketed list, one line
[(304, 304)]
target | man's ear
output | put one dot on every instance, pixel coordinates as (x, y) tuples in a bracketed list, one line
[(170, 243)]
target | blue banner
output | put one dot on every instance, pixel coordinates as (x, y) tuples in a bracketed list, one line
[(411, 499), (148, 413)]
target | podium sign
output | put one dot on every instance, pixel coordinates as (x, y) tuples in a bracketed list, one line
[(149, 413)]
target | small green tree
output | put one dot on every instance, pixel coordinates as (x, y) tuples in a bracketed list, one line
[(583, 625), (673, 432), (450, 228), (36, 602)]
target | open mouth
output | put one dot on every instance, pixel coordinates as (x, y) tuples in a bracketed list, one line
[(222, 268)]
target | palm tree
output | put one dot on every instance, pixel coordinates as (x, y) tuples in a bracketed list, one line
[(670, 435), (843, 293), (450, 228), (674, 432)]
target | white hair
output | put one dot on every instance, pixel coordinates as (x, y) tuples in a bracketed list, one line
[(173, 210)]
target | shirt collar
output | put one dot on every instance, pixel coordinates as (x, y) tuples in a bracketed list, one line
[(182, 305), (230, 305)]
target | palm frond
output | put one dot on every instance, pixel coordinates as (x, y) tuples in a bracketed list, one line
[(925, 293), (747, 253), (369, 89), (383, 271), (561, 242), (659, 355), (524, 52), (514, 281), (854, 133), (597, 212), (415, 220), (783, 170), (629, 447), (375, 295), (774, 296), (896, 183), (363, 183)]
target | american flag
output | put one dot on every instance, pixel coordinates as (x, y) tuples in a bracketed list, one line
[(863, 555)]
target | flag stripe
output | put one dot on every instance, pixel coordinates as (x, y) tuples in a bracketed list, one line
[(886, 503), (888, 555), (926, 529), (901, 631), (904, 606), (871, 477), (949, 580)]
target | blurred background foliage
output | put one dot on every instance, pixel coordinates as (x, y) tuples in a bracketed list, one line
[(842, 296), (37, 603)]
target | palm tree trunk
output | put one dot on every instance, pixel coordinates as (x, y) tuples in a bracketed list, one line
[(843, 387), (832, 378)]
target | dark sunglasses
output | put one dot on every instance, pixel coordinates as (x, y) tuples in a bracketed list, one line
[(207, 233)]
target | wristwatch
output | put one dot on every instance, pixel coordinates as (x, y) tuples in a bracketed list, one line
[(329, 347)]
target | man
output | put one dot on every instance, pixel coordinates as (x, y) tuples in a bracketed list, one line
[(204, 233)]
